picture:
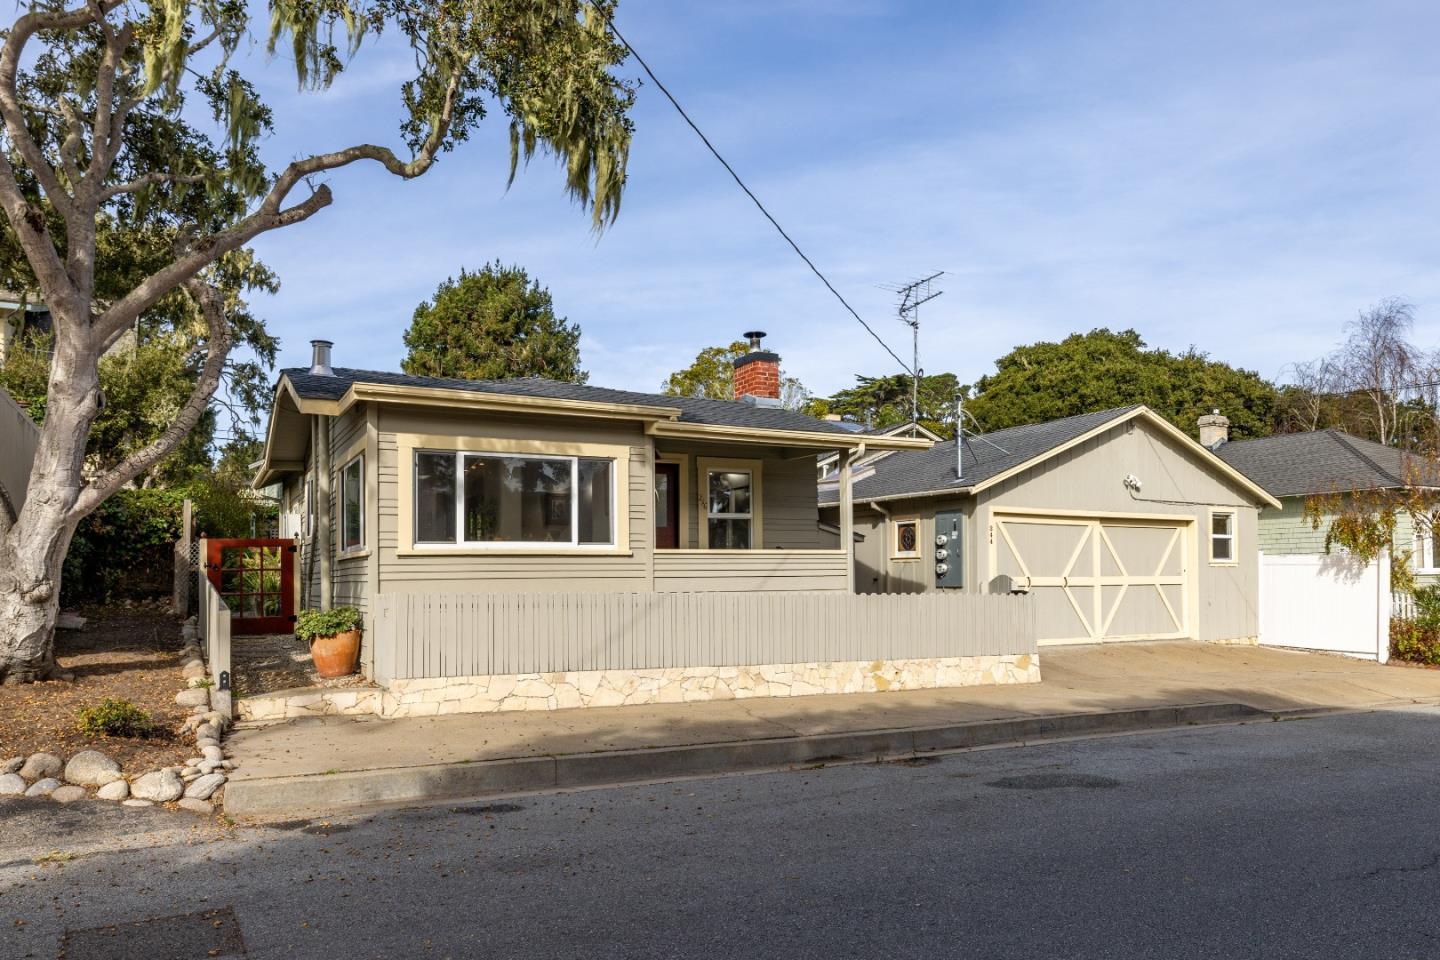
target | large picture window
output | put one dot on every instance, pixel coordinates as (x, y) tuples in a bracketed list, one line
[(730, 509), (352, 504), (483, 499)]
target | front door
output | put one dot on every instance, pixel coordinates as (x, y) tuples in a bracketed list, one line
[(667, 506)]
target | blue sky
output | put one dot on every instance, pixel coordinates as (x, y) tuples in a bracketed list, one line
[(1241, 177)]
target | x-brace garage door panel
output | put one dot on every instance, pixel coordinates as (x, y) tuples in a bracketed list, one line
[(1098, 578)]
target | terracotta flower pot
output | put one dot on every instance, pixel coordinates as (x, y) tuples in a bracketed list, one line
[(337, 655)]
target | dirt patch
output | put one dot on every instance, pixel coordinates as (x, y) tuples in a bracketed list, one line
[(278, 661), (125, 653)]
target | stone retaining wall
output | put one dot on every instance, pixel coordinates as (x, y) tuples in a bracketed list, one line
[(608, 688)]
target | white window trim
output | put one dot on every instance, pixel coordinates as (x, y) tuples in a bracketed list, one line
[(704, 466), (895, 552), (511, 546), (341, 548), (1233, 536), (1424, 547)]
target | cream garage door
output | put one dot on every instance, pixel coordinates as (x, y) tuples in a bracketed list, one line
[(1098, 578)]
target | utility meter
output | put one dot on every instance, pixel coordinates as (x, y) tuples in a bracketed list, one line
[(949, 572)]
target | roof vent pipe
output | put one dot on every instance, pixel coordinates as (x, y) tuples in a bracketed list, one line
[(320, 364)]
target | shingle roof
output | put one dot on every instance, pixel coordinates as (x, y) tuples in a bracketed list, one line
[(1323, 461), (727, 413), (911, 472)]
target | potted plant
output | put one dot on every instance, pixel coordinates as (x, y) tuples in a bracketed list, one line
[(334, 638)]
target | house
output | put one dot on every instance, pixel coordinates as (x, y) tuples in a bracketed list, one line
[(1314, 598), (1295, 466), (19, 313), (530, 544), (1117, 523)]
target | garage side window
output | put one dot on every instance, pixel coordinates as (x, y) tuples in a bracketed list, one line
[(1222, 537), (905, 542)]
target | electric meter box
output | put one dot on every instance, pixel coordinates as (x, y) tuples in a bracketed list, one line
[(949, 567)]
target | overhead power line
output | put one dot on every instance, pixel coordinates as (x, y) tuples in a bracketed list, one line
[(748, 192)]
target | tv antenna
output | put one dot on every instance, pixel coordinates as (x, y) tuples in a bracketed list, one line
[(912, 295)]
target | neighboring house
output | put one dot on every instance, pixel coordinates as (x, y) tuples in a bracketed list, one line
[(18, 313), (1118, 524), (570, 545), (19, 438), (1295, 466)]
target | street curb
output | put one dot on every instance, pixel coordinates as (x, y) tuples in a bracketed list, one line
[(323, 793)]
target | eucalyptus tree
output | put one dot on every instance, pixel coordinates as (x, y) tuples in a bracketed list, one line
[(97, 161)]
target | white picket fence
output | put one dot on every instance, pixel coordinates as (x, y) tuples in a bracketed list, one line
[(1402, 606), (1326, 602)]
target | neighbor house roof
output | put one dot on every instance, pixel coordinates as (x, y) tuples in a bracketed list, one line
[(990, 458), (1318, 462)]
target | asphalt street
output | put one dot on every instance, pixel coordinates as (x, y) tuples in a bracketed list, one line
[(1307, 839)]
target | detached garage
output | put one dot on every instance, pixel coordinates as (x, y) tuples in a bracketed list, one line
[(1120, 526)]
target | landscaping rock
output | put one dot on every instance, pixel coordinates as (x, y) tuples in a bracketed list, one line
[(203, 742), (207, 731), (138, 803), (212, 753), (210, 766), (193, 670), (43, 787), (11, 785), (91, 768), (198, 697), (12, 765), (115, 790), (69, 621), (67, 794), (196, 806), (206, 785), (159, 785), (42, 765)]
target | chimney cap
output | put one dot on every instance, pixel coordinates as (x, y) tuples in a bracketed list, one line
[(320, 358), (754, 336)]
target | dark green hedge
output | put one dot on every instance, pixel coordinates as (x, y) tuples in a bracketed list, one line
[(125, 549)]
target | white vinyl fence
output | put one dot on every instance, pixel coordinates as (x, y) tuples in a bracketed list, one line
[(1326, 602), (475, 634), (213, 625)]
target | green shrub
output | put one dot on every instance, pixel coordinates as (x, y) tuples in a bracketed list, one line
[(115, 718), (326, 623), (1427, 607)]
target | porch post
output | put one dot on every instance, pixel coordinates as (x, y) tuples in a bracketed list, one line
[(847, 519)]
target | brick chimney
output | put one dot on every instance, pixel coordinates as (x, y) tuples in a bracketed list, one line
[(757, 374), (1214, 429)]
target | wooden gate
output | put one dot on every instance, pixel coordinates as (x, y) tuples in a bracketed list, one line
[(256, 579)]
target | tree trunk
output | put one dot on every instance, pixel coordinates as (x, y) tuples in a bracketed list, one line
[(32, 550)]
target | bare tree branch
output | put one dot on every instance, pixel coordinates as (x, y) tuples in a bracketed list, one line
[(212, 307), (270, 216), (149, 180)]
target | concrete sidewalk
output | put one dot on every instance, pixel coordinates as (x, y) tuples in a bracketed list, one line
[(313, 765)]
